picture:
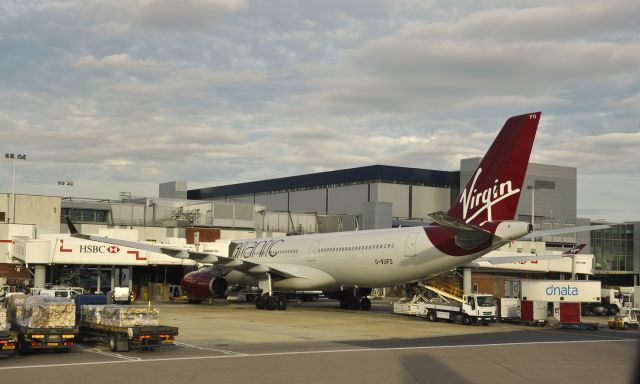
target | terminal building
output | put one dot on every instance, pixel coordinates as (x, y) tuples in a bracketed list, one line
[(371, 197)]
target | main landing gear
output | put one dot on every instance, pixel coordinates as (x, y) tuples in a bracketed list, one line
[(268, 300), (271, 302)]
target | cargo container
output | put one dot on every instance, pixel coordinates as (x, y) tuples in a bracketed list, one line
[(572, 291), (508, 309), (533, 312)]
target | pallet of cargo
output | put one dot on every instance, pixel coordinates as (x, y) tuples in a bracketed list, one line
[(125, 327)]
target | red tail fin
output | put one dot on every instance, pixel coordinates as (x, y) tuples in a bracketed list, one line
[(493, 191)]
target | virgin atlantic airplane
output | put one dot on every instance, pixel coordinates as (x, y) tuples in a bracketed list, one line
[(347, 265)]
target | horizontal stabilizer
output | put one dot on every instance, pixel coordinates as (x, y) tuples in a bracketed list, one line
[(561, 231)]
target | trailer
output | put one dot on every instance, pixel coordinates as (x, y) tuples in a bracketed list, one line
[(42, 322), (123, 339), (472, 309), (32, 339), (125, 327), (570, 317)]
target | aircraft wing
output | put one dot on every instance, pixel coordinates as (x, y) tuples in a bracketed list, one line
[(201, 257)]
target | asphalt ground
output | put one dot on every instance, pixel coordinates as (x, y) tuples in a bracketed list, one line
[(319, 343)]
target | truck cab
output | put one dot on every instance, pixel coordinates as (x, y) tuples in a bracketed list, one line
[(479, 308)]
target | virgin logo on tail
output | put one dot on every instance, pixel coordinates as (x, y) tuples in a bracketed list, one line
[(484, 200)]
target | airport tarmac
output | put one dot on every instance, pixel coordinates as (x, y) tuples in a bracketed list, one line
[(319, 343)]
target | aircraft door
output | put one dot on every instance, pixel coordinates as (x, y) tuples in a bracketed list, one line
[(313, 251), (410, 246)]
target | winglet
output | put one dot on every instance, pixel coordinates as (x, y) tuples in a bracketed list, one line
[(73, 231), (72, 228)]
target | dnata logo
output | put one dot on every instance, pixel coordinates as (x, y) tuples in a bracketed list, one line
[(484, 200), (552, 290)]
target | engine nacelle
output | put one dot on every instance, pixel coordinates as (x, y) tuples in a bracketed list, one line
[(196, 285), (218, 287)]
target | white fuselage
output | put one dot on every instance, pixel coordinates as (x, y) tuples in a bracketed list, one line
[(373, 258)]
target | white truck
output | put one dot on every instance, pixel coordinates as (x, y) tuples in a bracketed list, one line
[(613, 301), (475, 308)]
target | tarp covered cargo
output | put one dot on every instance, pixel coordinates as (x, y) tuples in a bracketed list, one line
[(4, 324), (41, 311), (119, 315)]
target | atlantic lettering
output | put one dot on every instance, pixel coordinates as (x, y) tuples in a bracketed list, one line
[(256, 249)]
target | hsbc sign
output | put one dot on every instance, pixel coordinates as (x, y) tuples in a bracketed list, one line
[(99, 249)]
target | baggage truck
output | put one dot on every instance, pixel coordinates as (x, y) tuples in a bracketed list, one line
[(573, 291), (116, 329), (473, 309), (533, 312), (41, 338)]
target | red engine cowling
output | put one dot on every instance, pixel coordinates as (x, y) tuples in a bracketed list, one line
[(202, 285)]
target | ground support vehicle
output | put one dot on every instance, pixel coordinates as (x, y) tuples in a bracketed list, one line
[(41, 338), (8, 343), (473, 309), (123, 339), (629, 319), (508, 310), (532, 313)]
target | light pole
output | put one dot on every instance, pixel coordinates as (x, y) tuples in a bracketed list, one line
[(533, 199), (14, 157), (62, 184)]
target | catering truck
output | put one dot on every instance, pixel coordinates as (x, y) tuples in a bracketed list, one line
[(125, 327), (475, 308), (575, 291)]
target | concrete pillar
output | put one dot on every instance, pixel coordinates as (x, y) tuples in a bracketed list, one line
[(113, 277), (466, 281), (98, 287), (40, 276), (130, 278)]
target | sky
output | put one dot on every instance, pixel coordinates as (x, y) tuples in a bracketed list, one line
[(121, 95)]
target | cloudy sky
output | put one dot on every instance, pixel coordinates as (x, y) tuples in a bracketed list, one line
[(120, 95)]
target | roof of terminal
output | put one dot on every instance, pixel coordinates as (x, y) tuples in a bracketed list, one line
[(351, 176)]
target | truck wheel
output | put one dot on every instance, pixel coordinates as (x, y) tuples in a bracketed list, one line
[(260, 302), (113, 346), (466, 320), (432, 316), (365, 304)]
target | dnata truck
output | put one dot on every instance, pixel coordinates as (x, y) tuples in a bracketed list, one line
[(475, 308)]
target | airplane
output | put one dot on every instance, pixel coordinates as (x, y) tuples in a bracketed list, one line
[(347, 265)]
